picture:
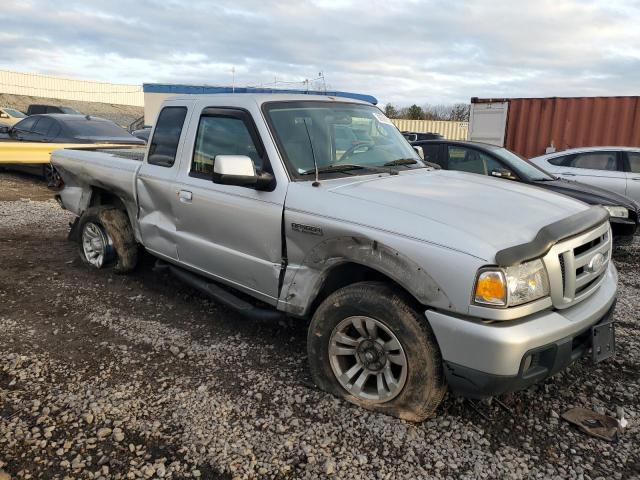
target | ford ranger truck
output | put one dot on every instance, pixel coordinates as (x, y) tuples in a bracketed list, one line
[(415, 280)]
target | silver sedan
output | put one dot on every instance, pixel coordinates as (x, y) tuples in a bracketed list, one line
[(613, 168)]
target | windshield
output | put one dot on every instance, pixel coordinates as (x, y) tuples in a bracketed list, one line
[(344, 139), (523, 167), (96, 128), (14, 113)]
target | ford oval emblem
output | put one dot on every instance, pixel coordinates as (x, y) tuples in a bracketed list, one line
[(596, 263)]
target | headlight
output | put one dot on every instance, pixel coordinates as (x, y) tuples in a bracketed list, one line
[(616, 211), (511, 286)]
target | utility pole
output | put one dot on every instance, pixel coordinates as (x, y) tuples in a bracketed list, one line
[(233, 79)]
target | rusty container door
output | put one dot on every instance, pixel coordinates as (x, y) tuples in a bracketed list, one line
[(534, 124)]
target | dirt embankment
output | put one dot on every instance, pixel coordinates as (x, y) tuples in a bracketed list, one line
[(121, 114)]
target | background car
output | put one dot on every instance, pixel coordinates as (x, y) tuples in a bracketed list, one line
[(40, 109), (10, 116), (417, 136), (613, 168), (142, 133), (63, 129), (485, 159)]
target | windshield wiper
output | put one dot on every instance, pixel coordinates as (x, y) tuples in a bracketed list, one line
[(401, 161), (345, 167)]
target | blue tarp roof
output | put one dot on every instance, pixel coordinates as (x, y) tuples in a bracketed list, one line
[(196, 89)]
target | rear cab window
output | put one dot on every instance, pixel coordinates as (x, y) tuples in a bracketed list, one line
[(166, 136)]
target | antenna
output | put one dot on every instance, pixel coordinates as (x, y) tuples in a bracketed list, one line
[(313, 155)]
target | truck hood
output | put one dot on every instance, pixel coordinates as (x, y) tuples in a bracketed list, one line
[(467, 212)]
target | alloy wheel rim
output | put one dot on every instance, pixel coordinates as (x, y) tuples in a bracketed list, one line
[(95, 244), (367, 359)]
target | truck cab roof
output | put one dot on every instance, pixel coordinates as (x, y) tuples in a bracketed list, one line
[(238, 99)]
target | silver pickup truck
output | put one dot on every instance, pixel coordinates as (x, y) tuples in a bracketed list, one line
[(413, 278)]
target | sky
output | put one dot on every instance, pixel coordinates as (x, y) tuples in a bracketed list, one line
[(402, 52)]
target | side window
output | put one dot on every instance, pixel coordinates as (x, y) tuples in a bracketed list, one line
[(471, 160), (55, 130), (166, 136), (43, 126), (595, 161), (27, 124), (222, 135), (634, 162), (430, 153), (560, 161)]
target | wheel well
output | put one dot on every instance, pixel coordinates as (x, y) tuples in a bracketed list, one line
[(350, 273), (100, 196)]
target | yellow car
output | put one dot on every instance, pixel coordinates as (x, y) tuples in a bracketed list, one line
[(10, 116)]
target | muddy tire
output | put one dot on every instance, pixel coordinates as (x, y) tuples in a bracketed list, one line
[(51, 176), (370, 346), (106, 239)]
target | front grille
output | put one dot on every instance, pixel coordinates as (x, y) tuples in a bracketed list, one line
[(574, 270)]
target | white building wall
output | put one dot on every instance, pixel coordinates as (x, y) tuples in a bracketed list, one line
[(36, 85)]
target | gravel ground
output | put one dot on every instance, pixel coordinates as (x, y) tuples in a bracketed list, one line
[(105, 376)]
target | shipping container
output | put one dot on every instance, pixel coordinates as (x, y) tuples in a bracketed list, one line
[(449, 130), (534, 126)]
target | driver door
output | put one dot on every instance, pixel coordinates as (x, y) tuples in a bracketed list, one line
[(231, 233)]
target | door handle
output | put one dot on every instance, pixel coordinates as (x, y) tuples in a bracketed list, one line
[(185, 196), (636, 179), (568, 174)]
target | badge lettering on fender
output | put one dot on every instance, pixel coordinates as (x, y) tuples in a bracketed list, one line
[(299, 227)]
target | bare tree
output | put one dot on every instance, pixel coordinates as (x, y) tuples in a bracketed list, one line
[(391, 111), (458, 112)]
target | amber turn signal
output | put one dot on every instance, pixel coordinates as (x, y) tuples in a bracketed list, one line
[(491, 288)]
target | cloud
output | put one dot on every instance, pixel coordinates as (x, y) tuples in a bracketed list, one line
[(401, 52)]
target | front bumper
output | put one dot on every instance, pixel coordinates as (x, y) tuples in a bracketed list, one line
[(485, 359)]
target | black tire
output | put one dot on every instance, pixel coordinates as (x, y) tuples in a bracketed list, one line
[(51, 176), (123, 256), (425, 384)]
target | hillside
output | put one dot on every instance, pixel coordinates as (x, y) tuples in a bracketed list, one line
[(121, 114)]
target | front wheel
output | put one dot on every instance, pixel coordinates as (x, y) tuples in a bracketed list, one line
[(367, 344)]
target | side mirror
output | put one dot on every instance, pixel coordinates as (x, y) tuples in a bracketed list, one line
[(418, 150), (503, 173), (240, 170), (4, 115)]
